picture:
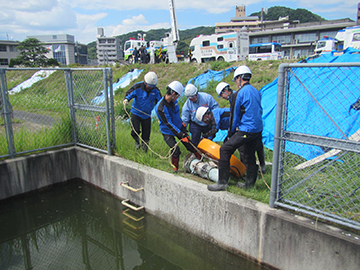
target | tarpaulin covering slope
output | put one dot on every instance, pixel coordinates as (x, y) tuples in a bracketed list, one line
[(123, 82), (38, 76), (202, 80), (324, 103)]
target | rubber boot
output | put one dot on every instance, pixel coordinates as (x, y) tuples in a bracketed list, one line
[(261, 156), (250, 180), (137, 144), (144, 146), (175, 162), (222, 183)]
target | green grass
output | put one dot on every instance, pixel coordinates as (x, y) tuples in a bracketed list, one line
[(25, 139)]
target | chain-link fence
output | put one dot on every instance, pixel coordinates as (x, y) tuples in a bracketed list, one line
[(54, 107), (316, 145)]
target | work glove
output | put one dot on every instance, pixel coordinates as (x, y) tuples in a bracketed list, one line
[(126, 102), (184, 137)]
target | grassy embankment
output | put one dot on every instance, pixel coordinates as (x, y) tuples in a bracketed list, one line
[(53, 101), (264, 72)]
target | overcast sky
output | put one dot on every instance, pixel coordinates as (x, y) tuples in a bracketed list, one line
[(81, 18)]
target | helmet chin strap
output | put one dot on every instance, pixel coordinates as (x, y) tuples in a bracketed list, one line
[(227, 93), (172, 96)]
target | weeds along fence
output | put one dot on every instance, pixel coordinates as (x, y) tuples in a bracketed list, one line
[(316, 146), (54, 107)]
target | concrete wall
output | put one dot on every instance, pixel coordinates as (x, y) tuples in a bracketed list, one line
[(271, 236)]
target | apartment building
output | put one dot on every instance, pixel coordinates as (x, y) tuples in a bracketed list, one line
[(108, 49), (8, 51)]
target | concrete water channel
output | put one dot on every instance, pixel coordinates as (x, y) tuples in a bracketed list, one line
[(270, 237), (74, 225)]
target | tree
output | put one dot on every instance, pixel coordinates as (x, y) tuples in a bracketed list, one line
[(32, 53), (52, 62), (303, 15)]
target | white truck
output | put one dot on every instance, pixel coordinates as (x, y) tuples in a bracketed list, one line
[(131, 44), (233, 46), (166, 46), (345, 38)]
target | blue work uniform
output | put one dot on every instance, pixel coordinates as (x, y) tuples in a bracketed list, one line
[(222, 118), (247, 114), (196, 127), (144, 101), (171, 125), (169, 118), (189, 108)]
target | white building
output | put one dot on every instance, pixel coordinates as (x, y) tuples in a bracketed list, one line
[(108, 49), (64, 49)]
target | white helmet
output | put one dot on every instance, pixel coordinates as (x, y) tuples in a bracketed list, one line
[(151, 78), (200, 113), (177, 87), (190, 90), (241, 71), (221, 87)]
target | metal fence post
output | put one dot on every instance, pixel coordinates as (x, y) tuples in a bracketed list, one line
[(71, 102), (112, 109), (6, 111), (106, 86), (277, 135)]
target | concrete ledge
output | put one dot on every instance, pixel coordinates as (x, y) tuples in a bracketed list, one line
[(270, 236)]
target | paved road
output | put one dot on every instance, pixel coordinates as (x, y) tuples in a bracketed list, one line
[(34, 118)]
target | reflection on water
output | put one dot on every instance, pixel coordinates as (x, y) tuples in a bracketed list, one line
[(77, 226)]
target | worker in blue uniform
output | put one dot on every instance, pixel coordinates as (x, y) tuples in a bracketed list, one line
[(224, 91), (171, 125), (245, 130), (145, 95), (218, 119), (195, 100)]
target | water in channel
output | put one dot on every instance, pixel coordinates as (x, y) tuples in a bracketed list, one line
[(77, 226)]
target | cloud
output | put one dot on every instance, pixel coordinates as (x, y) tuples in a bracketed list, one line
[(87, 26), (59, 17), (28, 5), (135, 20)]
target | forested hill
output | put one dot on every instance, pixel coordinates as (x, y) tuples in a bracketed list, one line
[(303, 15)]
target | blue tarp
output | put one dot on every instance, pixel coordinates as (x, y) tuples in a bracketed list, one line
[(202, 80), (123, 82), (324, 117)]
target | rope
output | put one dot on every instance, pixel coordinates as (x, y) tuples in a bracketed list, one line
[(262, 176), (169, 153)]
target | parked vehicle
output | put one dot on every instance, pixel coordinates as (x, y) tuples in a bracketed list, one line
[(265, 51), (346, 38), (165, 49), (233, 46)]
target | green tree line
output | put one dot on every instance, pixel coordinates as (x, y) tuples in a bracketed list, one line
[(301, 14)]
